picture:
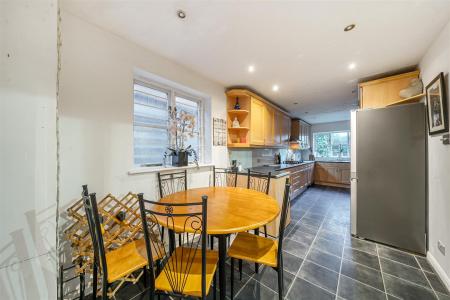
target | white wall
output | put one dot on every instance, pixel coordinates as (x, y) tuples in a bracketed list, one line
[(333, 126), (437, 59), (28, 35), (96, 110)]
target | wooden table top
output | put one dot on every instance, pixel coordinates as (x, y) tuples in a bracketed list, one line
[(230, 209)]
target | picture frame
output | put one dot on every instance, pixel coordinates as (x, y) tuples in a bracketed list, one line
[(437, 109)]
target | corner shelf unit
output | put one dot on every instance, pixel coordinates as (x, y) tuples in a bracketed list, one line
[(238, 137)]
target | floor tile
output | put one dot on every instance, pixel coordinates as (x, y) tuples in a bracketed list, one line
[(295, 248), (305, 228), (324, 259), (237, 283), (442, 296), (257, 291), (354, 290), (331, 247), (403, 271), (436, 283), (291, 262), (362, 245), (269, 277), (332, 236), (407, 290), (397, 255), (303, 290), (311, 222), (320, 276), (300, 236), (362, 257), (424, 264), (362, 273)]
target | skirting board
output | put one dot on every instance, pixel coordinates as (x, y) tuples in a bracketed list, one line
[(439, 270)]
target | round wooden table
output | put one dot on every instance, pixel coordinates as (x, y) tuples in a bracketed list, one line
[(230, 210)]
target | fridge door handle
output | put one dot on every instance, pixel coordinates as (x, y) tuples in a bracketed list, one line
[(354, 176)]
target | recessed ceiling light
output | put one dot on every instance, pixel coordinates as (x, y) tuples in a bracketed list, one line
[(295, 103), (275, 88), (351, 66), (181, 14), (349, 27), (251, 69)]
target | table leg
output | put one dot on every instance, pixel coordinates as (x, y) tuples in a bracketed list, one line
[(222, 257), (256, 265), (171, 241)]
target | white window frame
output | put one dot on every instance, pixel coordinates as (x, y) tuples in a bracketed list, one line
[(330, 132), (173, 92)]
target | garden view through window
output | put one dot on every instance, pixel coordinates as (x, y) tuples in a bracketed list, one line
[(332, 145)]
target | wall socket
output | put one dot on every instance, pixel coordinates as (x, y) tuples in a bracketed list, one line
[(441, 247)]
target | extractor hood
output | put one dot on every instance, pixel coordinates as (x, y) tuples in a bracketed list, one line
[(300, 134)]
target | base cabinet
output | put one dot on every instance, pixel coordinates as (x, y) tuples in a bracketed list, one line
[(301, 177), (332, 174)]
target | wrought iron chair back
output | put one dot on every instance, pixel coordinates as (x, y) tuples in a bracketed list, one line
[(172, 183), (283, 217), (258, 181), (193, 216), (90, 206), (224, 177)]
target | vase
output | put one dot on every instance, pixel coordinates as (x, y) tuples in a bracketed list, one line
[(180, 159)]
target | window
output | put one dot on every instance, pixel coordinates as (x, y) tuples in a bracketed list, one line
[(151, 119), (333, 145)]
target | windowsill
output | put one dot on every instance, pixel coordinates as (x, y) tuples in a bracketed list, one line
[(142, 170)]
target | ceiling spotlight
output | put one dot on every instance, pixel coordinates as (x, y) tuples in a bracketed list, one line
[(351, 66), (251, 68), (295, 103), (349, 27), (275, 88), (181, 14)]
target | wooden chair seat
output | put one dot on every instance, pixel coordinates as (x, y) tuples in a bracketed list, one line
[(176, 266), (254, 248), (129, 258)]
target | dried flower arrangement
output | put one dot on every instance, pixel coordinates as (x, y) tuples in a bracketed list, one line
[(182, 126)]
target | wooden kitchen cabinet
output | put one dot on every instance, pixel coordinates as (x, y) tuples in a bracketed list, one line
[(332, 174), (285, 129), (300, 178), (269, 126), (385, 91), (257, 116), (262, 123)]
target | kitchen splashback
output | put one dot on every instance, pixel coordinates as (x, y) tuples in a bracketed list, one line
[(259, 157)]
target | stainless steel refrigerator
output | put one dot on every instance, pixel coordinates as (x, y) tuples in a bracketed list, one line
[(388, 176)]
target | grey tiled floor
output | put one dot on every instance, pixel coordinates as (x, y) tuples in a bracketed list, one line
[(323, 261)]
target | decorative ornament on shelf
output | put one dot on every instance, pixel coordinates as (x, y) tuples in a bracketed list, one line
[(237, 105), (182, 125), (236, 123)]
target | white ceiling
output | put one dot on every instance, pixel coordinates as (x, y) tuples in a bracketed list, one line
[(299, 45)]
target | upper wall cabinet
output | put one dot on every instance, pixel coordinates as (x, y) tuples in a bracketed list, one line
[(385, 91), (260, 122)]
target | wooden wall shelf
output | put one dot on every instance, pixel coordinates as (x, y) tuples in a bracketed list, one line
[(238, 111), (412, 99), (238, 128)]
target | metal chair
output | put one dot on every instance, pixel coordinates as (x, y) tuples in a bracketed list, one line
[(262, 250), (170, 183), (179, 276), (224, 177), (119, 264)]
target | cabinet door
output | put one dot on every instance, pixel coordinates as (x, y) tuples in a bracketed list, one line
[(278, 128), (285, 130), (345, 176), (257, 122), (269, 129), (320, 173)]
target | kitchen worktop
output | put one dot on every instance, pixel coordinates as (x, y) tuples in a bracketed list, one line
[(277, 171), (333, 161)]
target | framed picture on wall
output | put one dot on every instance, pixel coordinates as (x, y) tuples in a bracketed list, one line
[(437, 111)]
